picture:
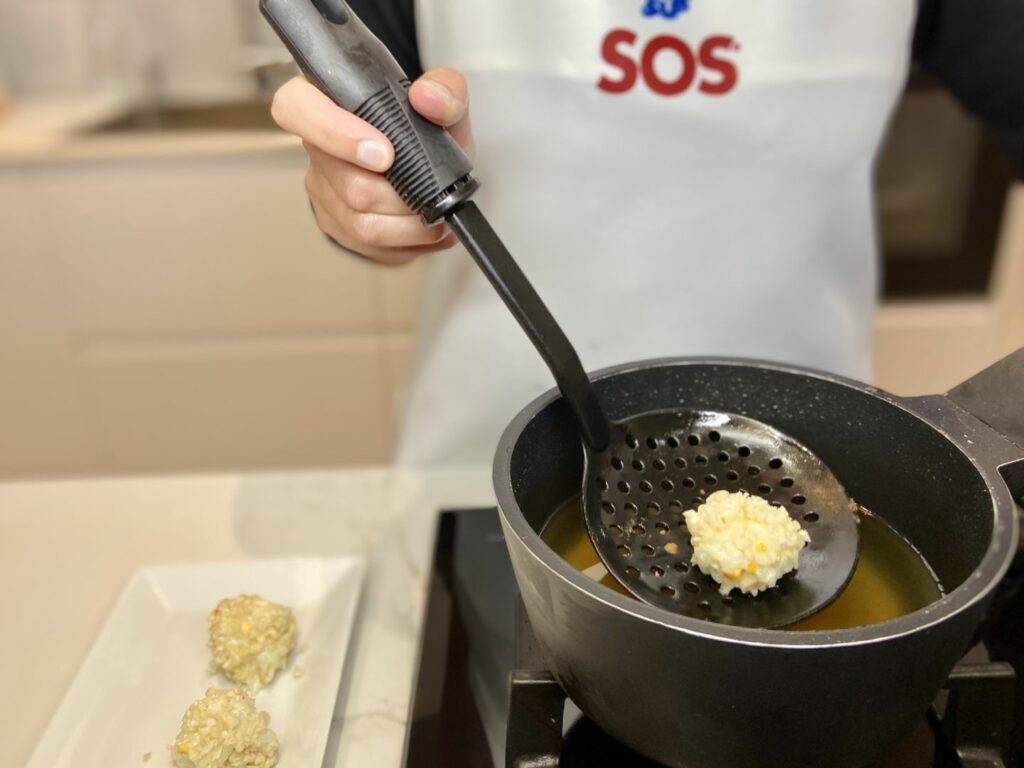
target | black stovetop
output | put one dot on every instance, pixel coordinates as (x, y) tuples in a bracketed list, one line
[(477, 639)]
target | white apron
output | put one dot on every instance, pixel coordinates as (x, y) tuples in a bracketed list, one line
[(676, 178)]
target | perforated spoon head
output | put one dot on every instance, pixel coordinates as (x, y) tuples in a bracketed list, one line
[(660, 464)]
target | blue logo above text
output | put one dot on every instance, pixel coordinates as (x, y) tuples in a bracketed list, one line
[(667, 8)]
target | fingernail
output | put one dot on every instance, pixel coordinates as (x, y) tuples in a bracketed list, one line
[(450, 104), (372, 155), (440, 90)]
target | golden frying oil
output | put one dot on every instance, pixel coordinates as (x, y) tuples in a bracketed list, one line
[(891, 580)]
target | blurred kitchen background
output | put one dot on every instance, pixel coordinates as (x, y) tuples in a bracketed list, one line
[(166, 303)]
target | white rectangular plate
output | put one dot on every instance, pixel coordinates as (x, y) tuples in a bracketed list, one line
[(150, 662)]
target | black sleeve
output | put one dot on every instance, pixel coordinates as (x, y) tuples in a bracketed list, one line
[(976, 47), (394, 22)]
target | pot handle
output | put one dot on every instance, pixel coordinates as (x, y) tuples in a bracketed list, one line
[(996, 397)]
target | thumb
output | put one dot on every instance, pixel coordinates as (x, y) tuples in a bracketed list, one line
[(441, 96)]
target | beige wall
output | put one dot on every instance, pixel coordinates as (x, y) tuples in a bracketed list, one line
[(183, 314)]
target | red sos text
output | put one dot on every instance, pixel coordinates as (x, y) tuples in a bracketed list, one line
[(707, 66)]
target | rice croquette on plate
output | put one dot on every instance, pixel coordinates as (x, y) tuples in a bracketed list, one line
[(250, 639), (225, 730)]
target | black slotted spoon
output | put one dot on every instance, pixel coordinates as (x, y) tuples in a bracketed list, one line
[(658, 465), (642, 472)]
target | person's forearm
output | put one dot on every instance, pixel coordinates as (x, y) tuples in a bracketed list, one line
[(976, 47)]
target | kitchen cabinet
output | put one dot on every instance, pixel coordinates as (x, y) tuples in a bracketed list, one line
[(930, 345), (183, 313), (43, 419)]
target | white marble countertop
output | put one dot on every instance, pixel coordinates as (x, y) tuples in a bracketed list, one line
[(67, 548)]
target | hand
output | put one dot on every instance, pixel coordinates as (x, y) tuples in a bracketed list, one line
[(353, 202)]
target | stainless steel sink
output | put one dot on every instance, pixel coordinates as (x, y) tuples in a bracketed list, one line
[(236, 116)]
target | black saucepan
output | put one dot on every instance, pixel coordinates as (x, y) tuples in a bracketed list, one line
[(944, 471)]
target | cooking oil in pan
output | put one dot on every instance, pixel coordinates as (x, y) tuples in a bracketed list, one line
[(891, 580)]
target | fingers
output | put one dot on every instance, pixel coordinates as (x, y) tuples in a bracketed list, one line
[(301, 109), (442, 96), (353, 202), (361, 190), (387, 238)]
